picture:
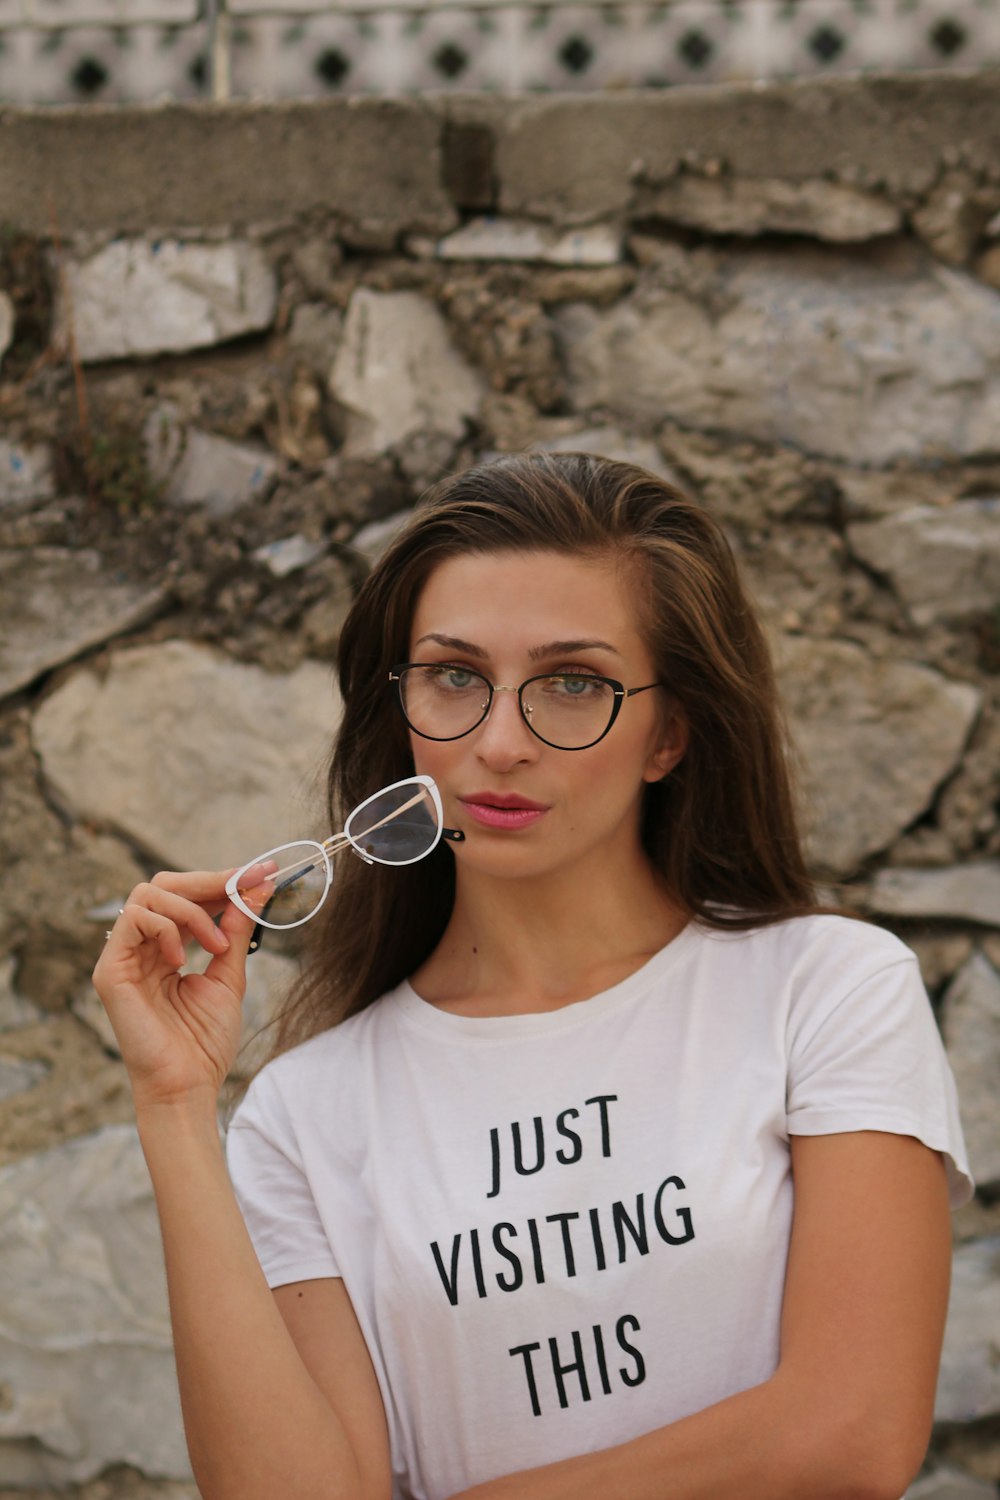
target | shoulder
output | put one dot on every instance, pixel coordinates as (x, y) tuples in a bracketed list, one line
[(331, 1063), (829, 935), (824, 941), (809, 966)]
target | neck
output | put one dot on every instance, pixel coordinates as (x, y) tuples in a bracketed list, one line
[(515, 946)]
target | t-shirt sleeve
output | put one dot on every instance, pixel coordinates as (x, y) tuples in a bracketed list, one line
[(275, 1199), (872, 1058)]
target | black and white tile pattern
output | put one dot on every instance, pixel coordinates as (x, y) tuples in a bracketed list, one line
[(58, 51)]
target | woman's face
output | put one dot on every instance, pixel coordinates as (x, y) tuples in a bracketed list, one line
[(515, 615)]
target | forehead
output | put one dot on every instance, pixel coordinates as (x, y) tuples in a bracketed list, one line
[(528, 597)]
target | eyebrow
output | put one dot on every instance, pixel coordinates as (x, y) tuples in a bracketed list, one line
[(535, 653)]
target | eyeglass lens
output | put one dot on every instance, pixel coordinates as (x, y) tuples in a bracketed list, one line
[(291, 893), (445, 702), (395, 827)]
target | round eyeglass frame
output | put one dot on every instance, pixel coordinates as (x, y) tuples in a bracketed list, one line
[(331, 846), (621, 692)]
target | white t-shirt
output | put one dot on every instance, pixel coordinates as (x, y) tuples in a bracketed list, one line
[(561, 1230)]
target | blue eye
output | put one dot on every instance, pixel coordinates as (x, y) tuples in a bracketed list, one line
[(574, 685), (455, 679)]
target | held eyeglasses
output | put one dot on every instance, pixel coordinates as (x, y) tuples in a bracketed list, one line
[(567, 710), (286, 886)]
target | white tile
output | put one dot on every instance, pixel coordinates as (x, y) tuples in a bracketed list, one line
[(158, 12), (575, 48), (163, 63), (14, 13), (18, 76), (693, 41)]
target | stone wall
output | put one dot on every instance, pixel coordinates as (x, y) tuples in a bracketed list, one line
[(236, 343)]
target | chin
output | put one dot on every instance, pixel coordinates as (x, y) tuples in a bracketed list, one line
[(504, 858)]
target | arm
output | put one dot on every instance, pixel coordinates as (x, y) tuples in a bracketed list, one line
[(847, 1414), (277, 1389), (265, 1414)]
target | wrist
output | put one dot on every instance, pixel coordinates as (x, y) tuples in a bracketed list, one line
[(192, 1115)]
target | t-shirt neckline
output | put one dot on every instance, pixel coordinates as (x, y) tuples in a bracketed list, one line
[(543, 1023)]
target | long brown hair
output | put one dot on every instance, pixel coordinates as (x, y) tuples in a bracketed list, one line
[(721, 828)]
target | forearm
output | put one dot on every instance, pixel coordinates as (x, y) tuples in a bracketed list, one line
[(256, 1423), (757, 1445)]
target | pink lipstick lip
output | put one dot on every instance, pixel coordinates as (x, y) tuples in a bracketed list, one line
[(488, 815), (506, 801)]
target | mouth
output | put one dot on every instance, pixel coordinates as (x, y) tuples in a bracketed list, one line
[(507, 801), (503, 810)]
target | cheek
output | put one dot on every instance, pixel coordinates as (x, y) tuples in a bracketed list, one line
[(607, 786), (433, 757)]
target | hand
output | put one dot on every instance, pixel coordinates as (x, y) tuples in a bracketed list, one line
[(178, 1034)]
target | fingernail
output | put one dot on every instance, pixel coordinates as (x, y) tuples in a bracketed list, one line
[(223, 940)]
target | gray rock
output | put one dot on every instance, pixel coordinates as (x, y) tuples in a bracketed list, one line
[(15, 1010), (85, 1344), (876, 738), (969, 1382), (951, 219), (25, 473), (559, 157), (201, 760), (200, 469), (861, 362), (55, 604), (6, 324), (966, 893), (493, 239), (139, 298), (323, 621), (87, 1008), (314, 334), (942, 561), (612, 442), (940, 954), (396, 373), (316, 261), (372, 540), (289, 554), (988, 266), (971, 1028), (949, 1483), (760, 205), (18, 1074)]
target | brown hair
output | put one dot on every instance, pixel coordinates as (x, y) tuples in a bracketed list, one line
[(721, 828)]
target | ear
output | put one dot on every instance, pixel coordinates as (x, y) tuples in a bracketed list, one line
[(670, 748)]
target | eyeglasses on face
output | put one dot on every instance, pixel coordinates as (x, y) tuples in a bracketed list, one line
[(567, 710)]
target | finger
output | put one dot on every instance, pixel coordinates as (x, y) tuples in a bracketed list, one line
[(188, 916), (138, 925), (229, 968), (256, 885), (196, 885)]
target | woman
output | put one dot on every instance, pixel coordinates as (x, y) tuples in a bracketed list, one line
[(593, 1158)]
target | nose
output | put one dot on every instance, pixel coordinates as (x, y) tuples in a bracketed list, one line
[(503, 739)]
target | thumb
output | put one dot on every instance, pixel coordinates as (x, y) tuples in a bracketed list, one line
[(229, 968)]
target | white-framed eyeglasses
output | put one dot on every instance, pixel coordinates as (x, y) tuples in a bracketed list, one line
[(287, 885)]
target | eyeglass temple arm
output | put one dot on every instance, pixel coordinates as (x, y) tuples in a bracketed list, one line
[(455, 835)]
